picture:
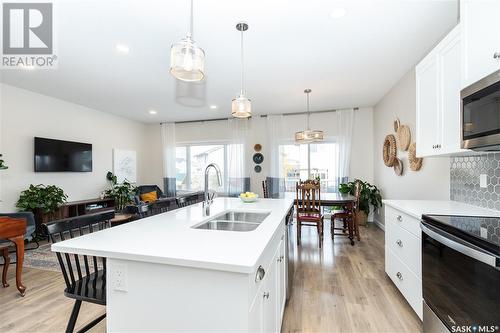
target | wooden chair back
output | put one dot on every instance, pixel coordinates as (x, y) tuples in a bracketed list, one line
[(75, 267), (265, 190), (308, 197), (11, 227), (357, 194)]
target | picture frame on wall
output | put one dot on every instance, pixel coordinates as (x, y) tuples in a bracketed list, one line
[(125, 165)]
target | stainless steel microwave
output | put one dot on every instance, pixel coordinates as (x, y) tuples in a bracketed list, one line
[(480, 114)]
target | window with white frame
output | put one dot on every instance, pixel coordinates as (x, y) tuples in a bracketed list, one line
[(308, 161), (191, 161)]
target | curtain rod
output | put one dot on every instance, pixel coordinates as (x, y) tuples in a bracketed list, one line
[(261, 116)]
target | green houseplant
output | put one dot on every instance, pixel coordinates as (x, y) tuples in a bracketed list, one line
[(122, 193), (369, 196), (47, 198)]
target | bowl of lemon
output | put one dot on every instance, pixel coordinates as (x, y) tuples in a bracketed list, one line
[(248, 197)]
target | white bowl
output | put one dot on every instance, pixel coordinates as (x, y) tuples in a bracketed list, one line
[(248, 200)]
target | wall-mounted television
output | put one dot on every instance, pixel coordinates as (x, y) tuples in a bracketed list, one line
[(62, 156)]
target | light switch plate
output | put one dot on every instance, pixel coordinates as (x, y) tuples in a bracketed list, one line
[(483, 180)]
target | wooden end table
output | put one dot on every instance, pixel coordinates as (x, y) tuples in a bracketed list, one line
[(13, 230)]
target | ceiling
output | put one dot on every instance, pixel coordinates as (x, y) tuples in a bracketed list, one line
[(290, 45)]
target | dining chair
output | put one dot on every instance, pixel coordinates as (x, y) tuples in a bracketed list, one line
[(186, 201), (308, 207), (348, 217), (265, 191), (85, 276), (159, 207)]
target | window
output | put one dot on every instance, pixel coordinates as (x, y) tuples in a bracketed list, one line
[(191, 161), (309, 161)]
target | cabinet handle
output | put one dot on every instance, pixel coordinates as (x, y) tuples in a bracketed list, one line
[(399, 276), (266, 294), (260, 274), (496, 55), (279, 259), (399, 242), (399, 218)]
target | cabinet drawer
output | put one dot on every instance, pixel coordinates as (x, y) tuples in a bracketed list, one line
[(403, 220), (406, 246), (406, 281)]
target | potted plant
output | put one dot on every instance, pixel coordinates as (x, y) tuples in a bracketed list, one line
[(48, 198), (369, 196), (122, 193), (44, 201), (2, 165)]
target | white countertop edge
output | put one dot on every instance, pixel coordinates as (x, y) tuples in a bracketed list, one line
[(474, 210), (158, 260)]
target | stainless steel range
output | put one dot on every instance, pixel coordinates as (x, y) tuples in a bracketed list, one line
[(461, 273)]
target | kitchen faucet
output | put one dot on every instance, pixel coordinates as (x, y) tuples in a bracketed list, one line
[(208, 200)]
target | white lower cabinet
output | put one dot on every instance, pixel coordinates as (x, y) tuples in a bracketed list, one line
[(403, 255), (266, 312)]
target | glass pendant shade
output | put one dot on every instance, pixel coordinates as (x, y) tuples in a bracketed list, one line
[(187, 61), (308, 136), (241, 107)]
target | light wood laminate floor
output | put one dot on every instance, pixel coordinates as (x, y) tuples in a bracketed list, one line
[(337, 289)]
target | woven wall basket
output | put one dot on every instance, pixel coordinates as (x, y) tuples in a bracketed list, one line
[(415, 162), (389, 150), (404, 137)]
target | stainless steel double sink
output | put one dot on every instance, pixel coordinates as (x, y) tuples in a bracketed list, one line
[(234, 221)]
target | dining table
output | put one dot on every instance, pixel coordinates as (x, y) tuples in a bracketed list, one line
[(333, 199)]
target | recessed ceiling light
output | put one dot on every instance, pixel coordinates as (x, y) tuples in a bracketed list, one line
[(338, 13), (122, 48), (153, 112), (213, 107)]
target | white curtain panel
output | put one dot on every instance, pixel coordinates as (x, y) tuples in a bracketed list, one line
[(237, 174), (341, 130), (275, 132), (168, 148)]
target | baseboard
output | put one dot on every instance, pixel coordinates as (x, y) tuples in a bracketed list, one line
[(379, 224)]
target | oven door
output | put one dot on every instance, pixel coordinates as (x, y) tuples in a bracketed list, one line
[(461, 282), (480, 116)]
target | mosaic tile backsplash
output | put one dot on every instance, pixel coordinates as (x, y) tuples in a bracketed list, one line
[(464, 180)]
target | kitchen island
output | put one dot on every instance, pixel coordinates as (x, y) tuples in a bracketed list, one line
[(176, 272)]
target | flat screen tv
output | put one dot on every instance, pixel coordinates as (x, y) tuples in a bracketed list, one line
[(62, 156)]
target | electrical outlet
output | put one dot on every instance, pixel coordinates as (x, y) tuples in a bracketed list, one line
[(483, 180), (120, 277)]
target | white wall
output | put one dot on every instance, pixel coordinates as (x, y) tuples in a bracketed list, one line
[(26, 114), (216, 131), (432, 182)]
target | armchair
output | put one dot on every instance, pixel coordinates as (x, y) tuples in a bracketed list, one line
[(145, 189), (30, 222)]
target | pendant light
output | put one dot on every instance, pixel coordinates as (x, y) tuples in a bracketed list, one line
[(241, 107), (187, 60), (308, 135)]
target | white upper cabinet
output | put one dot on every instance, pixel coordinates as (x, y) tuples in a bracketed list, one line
[(438, 98), (480, 21)]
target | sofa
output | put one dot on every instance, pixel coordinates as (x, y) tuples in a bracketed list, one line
[(146, 189)]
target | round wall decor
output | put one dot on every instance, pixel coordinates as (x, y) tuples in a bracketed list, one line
[(396, 124), (404, 137), (257, 147), (389, 150), (415, 162), (258, 158), (398, 167), (257, 168)]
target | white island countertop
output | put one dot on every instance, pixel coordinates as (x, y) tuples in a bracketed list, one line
[(417, 208), (169, 238)]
